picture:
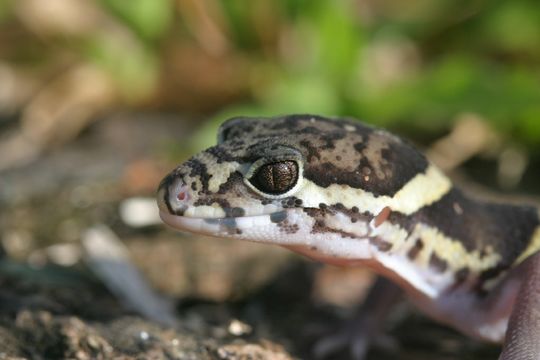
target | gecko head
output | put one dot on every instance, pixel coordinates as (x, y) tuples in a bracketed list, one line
[(298, 180)]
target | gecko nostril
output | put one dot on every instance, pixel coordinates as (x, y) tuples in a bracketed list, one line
[(182, 194), (173, 195)]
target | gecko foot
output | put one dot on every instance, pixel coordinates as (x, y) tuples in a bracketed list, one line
[(356, 338), (365, 329)]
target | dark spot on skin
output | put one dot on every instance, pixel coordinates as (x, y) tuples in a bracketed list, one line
[(338, 158), (354, 209), (229, 223), (312, 151), (266, 201), (359, 146), (461, 275), (353, 214), (415, 250), (437, 263), (330, 138), (236, 212), (211, 221), (483, 253), (322, 206), (180, 211), (278, 217), (293, 229), (204, 202), (234, 179), (489, 274), (238, 232), (288, 228), (380, 244), (291, 202), (194, 186), (492, 272)]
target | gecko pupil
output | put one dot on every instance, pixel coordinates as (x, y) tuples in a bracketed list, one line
[(276, 178)]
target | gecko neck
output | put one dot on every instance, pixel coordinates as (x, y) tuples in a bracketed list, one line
[(491, 236)]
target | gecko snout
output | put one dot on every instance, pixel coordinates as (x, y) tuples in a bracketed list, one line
[(173, 196)]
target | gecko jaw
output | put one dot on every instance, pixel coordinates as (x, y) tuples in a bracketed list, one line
[(291, 227), (256, 227)]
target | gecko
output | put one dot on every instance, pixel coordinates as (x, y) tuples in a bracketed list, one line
[(342, 192)]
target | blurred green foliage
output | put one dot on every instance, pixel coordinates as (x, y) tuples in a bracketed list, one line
[(481, 57), (149, 19), (416, 65)]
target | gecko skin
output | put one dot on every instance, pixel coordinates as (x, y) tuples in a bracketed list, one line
[(345, 193)]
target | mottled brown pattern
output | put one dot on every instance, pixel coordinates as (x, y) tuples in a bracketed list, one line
[(288, 228), (369, 158)]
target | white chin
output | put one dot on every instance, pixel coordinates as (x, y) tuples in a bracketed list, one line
[(296, 231), (183, 223), (255, 228)]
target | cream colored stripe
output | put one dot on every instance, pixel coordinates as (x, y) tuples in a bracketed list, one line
[(451, 250), (422, 190), (534, 246)]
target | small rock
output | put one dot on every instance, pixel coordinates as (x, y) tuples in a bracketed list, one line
[(139, 212), (238, 328), (264, 351)]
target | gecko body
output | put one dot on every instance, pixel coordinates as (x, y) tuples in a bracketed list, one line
[(345, 193)]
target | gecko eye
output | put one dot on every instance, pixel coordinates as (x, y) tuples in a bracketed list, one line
[(275, 178)]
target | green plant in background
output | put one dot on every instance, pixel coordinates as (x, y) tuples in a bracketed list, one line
[(135, 63), (420, 69), (415, 65), (149, 19)]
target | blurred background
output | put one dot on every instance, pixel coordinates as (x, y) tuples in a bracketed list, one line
[(100, 99)]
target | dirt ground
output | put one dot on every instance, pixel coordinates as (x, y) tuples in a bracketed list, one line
[(230, 299)]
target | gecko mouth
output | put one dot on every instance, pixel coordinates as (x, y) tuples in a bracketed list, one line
[(225, 226)]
